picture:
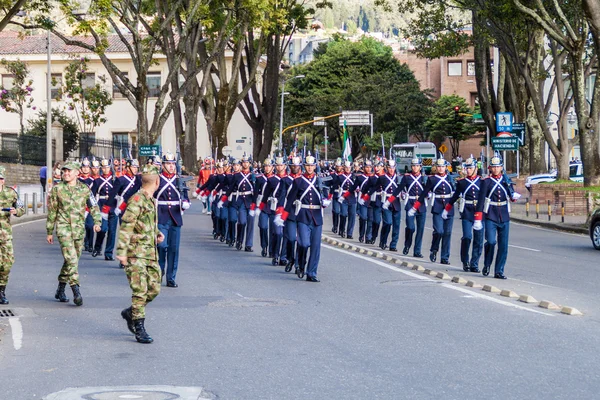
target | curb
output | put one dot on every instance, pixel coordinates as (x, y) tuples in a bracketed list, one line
[(27, 218), (551, 225), (509, 294)]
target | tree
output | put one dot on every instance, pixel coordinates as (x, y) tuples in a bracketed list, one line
[(88, 99), (362, 75), (443, 123), (37, 127), (17, 97)]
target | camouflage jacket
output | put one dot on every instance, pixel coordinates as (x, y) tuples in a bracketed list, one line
[(67, 208), (139, 228), (8, 199)]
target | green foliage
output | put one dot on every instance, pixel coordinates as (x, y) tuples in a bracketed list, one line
[(37, 127), (17, 97), (442, 123), (362, 75), (88, 101)]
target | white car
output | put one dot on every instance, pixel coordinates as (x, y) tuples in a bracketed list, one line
[(575, 174)]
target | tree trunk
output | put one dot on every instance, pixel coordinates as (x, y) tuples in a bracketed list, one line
[(192, 107)]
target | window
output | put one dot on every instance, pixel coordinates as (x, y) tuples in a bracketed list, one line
[(120, 144), (116, 93), (153, 82), (470, 68), (8, 81), (55, 85), (454, 68), (89, 81)]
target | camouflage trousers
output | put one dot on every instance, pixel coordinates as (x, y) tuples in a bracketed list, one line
[(7, 258), (144, 279), (71, 251)]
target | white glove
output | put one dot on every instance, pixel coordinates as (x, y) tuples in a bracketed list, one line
[(194, 195), (117, 211), (256, 212), (386, 205), (361, 201), (403, 195), (278, 220), (326, 203), (429, 195), (516, 196), (220, 204), (341, 199), (412, 212), (252, 213), (104, 216), (202, 198), (444, 214), (211, 198), (86, 214), (478, 225), (185, 205)]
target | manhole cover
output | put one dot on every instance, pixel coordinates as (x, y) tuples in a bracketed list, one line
[(129, 394), (6, 313), (132, 392), (251, 302)]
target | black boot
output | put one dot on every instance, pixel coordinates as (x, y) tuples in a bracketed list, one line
[(60, 293), (362, 225), (385, 232), (77, 299), (126, 314), (300, 268), (465, 244), (374, 232), (140, 331), (240, 236), (408, 236), (336, 218), (3, 299)]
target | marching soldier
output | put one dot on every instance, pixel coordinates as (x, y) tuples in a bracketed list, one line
[(171, 205), (374, 198), (86, 178), (101, 189), (442, 189), (411, 186), (66, 210), (275, 196), (227, 205), (305, 201), (10, 204), (347, 198), (467, 194), (290, 228), (263, 217), (241, 196), (205, 195), (391, 207), (137, 251), (362, 181), (494, 201), (223, 212), (124, 187), (335, 189)]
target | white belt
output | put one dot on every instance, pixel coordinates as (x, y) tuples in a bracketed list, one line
[(168, 203), (498, 203), (311, 206), (472, 202), (102, 197), (443, 196), (413, 197), (243, 193)]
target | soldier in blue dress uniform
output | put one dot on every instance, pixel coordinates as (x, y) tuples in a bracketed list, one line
[(85, 177), (362, 184), (374, 199), (101, 189), (467, 194), (441, 188), (306, 201), (335, 190), (223, 213), (346, 187), (171, 205), (410, 188), (290, 229), (124, 187), (241, 197), (226, 204), (274, 197), (263, 217), (206, 194), (493, 210), (391, 207)]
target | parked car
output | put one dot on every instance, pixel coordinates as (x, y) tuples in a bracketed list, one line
[(575, 174), (595, 228)]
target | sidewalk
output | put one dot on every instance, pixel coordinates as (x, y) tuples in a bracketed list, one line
[(573, 223)]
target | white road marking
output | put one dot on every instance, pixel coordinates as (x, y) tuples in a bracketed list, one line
[(523, 248), (547, 229), (535, 283), (17, 332), (446, 285), (28, 222)]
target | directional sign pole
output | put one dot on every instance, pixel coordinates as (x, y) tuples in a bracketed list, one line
[(518, 161)]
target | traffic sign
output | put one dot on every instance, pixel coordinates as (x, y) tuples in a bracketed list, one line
[(505, 143), (504, 122), (519, 130), (319, 123), (149, 150), (356, 118), (443, 148)]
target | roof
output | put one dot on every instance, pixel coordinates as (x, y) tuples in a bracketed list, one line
[(12, 42)]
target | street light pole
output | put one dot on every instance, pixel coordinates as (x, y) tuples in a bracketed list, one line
[(49, 171), (281, 110)]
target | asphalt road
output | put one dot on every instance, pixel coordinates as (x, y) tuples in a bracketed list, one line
[(241, 329)]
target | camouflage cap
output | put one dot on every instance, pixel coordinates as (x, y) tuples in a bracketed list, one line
[(2, 172), (150, 169), (71, 165)]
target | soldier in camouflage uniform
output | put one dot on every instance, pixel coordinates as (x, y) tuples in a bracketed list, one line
[(137, 251), (68, 204), (9, 205)]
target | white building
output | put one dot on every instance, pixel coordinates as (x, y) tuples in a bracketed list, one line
[(121, 116)]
